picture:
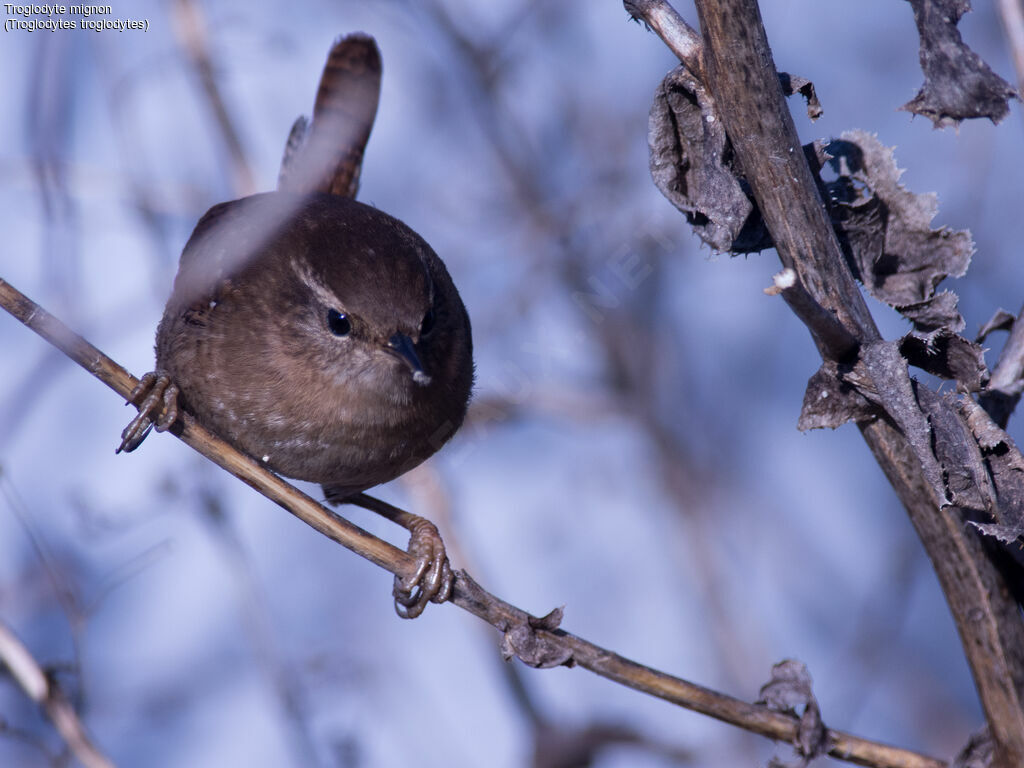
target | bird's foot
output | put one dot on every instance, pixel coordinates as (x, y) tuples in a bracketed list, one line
[(432, 581), (158, 407)]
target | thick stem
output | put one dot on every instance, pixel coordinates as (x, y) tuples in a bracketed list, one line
[(742, 78)]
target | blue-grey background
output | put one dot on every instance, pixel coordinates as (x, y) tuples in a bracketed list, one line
[(633, 453)]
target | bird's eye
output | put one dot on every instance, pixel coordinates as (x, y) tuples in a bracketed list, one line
[(428, 323), (338, 322)]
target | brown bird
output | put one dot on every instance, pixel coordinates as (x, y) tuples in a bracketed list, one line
[(319, 335)]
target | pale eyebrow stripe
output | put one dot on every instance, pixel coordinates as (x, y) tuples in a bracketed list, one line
[(305, 274)]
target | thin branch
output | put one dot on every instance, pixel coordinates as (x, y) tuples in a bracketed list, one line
[(530, 638), (555, 744), (682, 39), (63, 589), (831, 336), (190, 27), (39, 687)]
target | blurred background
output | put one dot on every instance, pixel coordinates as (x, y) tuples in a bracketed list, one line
[(632, 452)]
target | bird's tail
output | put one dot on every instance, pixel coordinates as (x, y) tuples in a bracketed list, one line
[(326, 154)]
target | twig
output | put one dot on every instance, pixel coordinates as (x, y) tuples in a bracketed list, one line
[(1011, 13), (466, 594), (831, 336), (191, 30), (682, 39), (69, 599), (38, 687)]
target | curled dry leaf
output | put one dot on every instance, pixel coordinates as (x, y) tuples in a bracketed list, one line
[(978, 752), (693, 165), (958, 85), (877, 384), (1000, 321), (792, 84), (830, 401), (948, 356), (523, 641), (789, 690), (885, 231), (967, 460), (1002, 460), (964, 475)]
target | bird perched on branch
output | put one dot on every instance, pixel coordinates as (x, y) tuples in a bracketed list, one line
[(318, 335)]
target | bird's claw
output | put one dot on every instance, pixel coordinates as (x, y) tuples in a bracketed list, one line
[(433, 579), (159, 408)]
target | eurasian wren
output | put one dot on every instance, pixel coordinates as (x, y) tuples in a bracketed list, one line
[(319, 335)]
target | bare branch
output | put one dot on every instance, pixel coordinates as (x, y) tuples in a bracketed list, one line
[(832, 338), (682, 39), (190, 27), (31, 678)]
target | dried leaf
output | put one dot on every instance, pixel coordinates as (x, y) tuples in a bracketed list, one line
[(795, 84), (948, 356), (985, 431), (886, 233), (1005, 466), (967, 460), (958, 85), (877, 383), (789, 691), (523, 641), (978, 752), (938, 313), (692, 164), (894, 251), (1004, 533), (1000, 321), (964, 471), (831, 402)]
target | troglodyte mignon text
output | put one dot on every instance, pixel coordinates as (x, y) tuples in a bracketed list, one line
[(318, 335)]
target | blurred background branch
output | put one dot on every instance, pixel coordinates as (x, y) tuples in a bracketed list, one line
[(41, 688)]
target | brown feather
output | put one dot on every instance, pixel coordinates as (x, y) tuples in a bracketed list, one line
[(327, 155)]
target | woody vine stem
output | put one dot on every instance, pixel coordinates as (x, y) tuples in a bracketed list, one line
[(733, 60)]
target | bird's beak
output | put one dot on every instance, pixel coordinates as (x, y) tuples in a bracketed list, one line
[(401, 346)]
